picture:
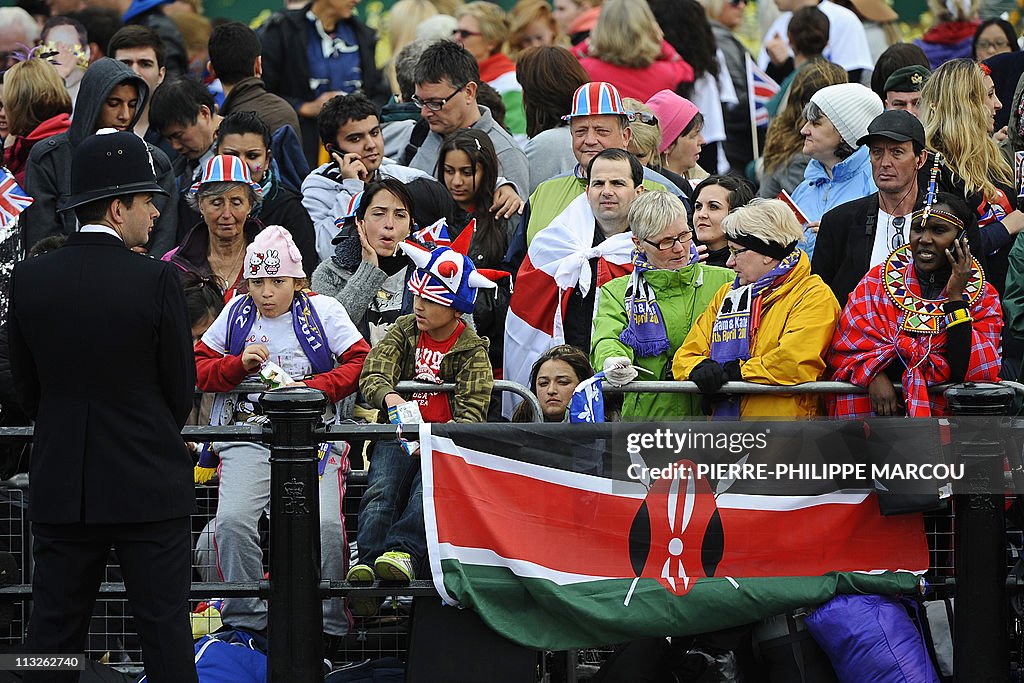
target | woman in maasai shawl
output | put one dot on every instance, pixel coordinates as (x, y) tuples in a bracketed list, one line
[(772, 325), (643, 318), (925, 316)]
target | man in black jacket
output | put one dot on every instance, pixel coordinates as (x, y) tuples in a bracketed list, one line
[(101, 357), (307, 78), (235, 59), (860, 234)]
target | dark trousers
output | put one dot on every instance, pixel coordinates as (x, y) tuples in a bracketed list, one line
[(156, 564)]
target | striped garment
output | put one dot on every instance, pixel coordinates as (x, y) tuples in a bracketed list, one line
[(870, 336)]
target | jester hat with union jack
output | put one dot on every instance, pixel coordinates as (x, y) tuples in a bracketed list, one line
[(446, 275)]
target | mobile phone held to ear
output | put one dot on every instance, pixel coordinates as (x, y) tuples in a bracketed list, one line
[(962, 241), (332, 150)]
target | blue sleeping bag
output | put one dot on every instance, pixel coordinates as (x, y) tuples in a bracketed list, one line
[(871, 638)]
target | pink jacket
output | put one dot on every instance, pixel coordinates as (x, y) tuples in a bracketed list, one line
[(664, 73)]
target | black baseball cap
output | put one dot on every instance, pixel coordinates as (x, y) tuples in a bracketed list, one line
[(895, 124)]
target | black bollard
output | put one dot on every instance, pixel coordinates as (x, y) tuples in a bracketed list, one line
[(980, 639), (294, 612)]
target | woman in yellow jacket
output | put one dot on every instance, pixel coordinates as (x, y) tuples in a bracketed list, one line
[(773, 325)]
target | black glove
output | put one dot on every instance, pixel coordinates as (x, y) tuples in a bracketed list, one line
[(709, 376), (732, 371)]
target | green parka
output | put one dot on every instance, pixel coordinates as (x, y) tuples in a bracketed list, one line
[(682, 296)]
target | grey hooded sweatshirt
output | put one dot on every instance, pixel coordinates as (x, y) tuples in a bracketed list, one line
[(48, 173)]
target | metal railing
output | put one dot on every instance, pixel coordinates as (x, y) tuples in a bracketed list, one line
[(292, 434)]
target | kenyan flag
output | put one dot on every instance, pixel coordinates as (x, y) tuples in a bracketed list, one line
[(554, 559)]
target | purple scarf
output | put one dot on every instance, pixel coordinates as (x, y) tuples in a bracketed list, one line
[(738, 318), (645, 327), (305, 321)]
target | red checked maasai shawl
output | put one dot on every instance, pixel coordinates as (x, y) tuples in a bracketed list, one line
[(876, 330)]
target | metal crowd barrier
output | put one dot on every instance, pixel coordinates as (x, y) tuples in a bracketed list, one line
[(294, 590)]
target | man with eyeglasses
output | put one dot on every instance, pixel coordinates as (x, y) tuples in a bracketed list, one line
[(858, 235), (446, 86)]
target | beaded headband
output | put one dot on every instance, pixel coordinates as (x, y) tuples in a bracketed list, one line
[(946, 216)]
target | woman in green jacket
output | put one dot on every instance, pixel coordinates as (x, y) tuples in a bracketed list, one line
[(643, 318)]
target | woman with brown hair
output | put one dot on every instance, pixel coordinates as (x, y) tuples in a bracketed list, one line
[(784, 161), (37, 105), (553, 378), (549, 76)]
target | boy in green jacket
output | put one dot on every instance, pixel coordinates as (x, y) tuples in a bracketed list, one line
[(431, 345)]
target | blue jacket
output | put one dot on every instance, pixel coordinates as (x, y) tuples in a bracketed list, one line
[(851, 179)]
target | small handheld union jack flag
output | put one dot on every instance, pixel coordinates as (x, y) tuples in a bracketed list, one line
[(436, 232), (13, 199), (761, 90)]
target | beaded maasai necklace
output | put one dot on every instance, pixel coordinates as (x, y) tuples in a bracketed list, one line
[(924, 316)]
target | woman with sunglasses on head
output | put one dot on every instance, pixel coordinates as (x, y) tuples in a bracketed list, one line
[(925, 316), (645, 143), (642, 318), (771, 325)]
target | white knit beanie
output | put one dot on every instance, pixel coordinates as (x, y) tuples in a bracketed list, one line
[(850, 107)]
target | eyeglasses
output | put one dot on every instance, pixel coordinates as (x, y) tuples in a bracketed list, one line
[(683, 239), (737, 3), (643, 117), (436, 105), (737, 252), (897, 238), (992, 45), (463, 33)]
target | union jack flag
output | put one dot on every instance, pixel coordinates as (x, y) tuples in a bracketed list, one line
[(437, 233), (761, 88), (426, 286), (13, 199)]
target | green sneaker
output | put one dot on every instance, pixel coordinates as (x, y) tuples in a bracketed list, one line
[(360, 573), (362, 606), (395, 566)]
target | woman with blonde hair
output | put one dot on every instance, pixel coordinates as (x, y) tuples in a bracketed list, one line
[(784, 160), (627, 49), (772, 325), (403, 19), (483, 29), (37, 105), (533, 25), (958, 107)]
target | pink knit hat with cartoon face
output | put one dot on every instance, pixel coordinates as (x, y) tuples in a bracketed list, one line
[(273, 254), (674, 115)]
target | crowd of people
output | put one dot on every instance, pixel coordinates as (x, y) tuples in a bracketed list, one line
[(531, 195)]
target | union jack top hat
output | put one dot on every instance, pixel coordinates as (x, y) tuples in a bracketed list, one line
[(225, 168), (594, 99), (447, 276)]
